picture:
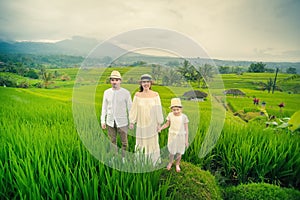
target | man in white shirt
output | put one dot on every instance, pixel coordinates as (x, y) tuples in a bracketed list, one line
[(115, 107)]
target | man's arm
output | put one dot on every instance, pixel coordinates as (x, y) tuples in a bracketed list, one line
[(103, 111)]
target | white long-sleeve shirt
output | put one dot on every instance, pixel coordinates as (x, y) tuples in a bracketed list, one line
[(115, 107)]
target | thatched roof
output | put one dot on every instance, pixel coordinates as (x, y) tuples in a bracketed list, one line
[(235, 92), (195, 94)]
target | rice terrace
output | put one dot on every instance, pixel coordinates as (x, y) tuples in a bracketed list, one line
[(257, 155)]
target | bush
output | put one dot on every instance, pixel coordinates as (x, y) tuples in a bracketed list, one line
[(259, 119), (261, 191), (7, 80), (23, 84), (38, 85), (65, 77), (191, 183), (251, 109), (246, 116), (32, 74)]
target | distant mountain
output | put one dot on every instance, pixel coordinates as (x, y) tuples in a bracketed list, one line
[(26, 47), (76, 46), (82, 46)]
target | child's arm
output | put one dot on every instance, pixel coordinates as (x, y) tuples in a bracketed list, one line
[(186, 127), (166, 125)]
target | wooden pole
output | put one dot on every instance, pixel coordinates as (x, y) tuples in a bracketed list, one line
[(274, 85)]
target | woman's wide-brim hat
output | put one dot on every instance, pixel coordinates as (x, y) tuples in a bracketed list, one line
[(146, 77), (176, 102), (115, 74)]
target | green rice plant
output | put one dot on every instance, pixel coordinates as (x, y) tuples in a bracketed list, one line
[(272, 102), (44, 158), (249, 154)]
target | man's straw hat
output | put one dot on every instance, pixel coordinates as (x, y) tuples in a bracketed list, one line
[(115, 74)]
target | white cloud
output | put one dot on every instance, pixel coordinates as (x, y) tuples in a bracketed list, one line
[(226, 29)]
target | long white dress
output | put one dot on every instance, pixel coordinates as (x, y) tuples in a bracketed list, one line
[(147, 114)]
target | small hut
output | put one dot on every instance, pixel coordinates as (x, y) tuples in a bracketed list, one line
[(234, 92), (195, 95)]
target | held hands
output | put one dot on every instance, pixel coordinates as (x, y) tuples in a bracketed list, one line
[(159, 128), (186, 144), (131, 126)]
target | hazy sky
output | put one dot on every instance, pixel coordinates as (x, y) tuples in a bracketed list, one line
[(257, 30)]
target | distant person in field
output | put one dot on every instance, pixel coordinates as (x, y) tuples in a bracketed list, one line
[(146, 113), (281, 105), (263, 110), (178, 136), (255, 101), (115, 108)]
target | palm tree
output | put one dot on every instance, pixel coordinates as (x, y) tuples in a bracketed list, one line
[(296, 76), (207, 73), (46, 77), (190, 73), (156, 72), (268, 85), (185, 70), (290, 78)]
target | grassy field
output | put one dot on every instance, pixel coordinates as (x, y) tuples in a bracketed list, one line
[(44, 157)]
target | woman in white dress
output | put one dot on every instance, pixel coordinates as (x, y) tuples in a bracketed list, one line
[(146, 112)]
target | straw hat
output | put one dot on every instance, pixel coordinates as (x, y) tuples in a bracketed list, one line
[(175, 102), (115, 74)]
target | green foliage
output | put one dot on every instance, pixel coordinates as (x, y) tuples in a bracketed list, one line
[(246, 103), (261, 191), (224, 69), (247, 116), (257, 67), (291, 70), (46, 77), (191, 183), (266, 86), (291, 84), (250, 154), (139, 63), (43, 156), (196, 74), (7, 80), (13, 80), (38, 61), (32, 74), (294, 122), (187, 70)]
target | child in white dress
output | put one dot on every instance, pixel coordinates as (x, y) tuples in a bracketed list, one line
[(178, 132)]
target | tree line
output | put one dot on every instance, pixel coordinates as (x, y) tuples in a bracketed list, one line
[(260, 67), (187, 74)]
